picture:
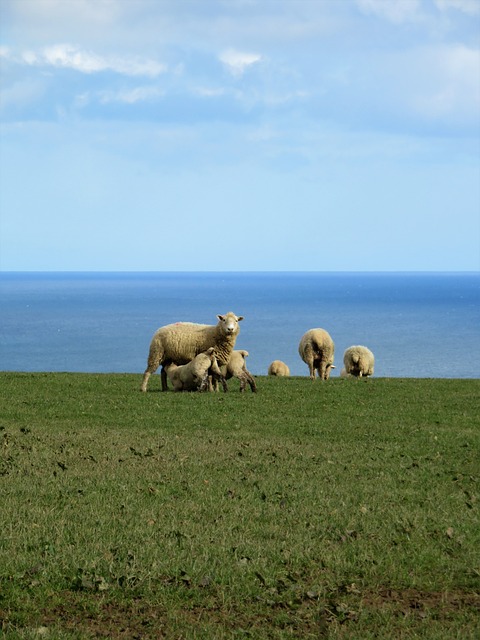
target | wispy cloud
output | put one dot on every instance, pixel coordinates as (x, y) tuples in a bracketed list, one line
[(415, 11), (470, 7), (451, 83), (396, 11), (22, 93), (207, 92), (131, 96), (238, 62), (67, 56)]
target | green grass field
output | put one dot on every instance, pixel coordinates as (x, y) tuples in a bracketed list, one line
[(343, 509)]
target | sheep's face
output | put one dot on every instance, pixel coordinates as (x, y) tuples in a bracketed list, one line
[(328, 370), (200, 368), (199, 377), (229, 323)]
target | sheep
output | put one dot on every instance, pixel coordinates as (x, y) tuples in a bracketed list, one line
[(193, 376), (316, 349), (180, 342), (359, 361), (278, 368), (237, 368)]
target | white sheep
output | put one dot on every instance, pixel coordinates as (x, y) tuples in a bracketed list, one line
[(316, 349), (180, 342), (278, 368), (359, 361), (237, 368), (193, 376)]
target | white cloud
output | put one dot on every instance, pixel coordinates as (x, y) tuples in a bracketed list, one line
[(206, 92), (70, 57), (22, 93), (29, 57), (470, 7), (131, 96), (451, 84), (237, 62), (396, 11), (62, 55)]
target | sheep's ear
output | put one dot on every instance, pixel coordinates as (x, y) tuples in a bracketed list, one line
[(222, 318), (239, 318)]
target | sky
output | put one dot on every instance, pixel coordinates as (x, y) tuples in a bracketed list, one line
[(240, 135)]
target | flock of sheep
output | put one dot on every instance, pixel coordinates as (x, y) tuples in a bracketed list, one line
[(196, 357)]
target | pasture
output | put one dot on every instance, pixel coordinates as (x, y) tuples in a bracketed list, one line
[(342, 509)]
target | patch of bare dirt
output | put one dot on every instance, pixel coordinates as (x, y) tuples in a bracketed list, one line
[(98, 617), (409, 601), (104, 619)]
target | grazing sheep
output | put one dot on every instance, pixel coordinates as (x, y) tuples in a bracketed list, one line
[(359, 361), (278, 368), (237, 368), (316, 349), (180, 342), (193, 376)]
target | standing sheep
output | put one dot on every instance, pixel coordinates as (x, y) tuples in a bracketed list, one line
[(180, 342), (193, 376), (237, 368), (278, 368), (316, 349), (359, 361)]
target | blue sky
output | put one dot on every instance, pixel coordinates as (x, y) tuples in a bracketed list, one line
[(240, 135)]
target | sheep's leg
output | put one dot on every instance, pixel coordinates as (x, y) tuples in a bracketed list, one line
[(321, 370), (224, 383), (155, 356), (163, 376), (312, 362), (320, 366), (146, 376), (243, 382), (151, 368), (212, 382), (251, 381)]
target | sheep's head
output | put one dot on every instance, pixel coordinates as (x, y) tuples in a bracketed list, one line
[(328, 370), (229, 323)]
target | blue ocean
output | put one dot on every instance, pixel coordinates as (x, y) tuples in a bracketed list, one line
[(424, 325)]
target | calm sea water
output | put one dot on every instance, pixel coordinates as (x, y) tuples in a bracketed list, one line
[(417, 325)]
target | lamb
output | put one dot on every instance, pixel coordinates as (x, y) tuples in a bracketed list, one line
[(180, 342), (278, 368), (193, 376), (316, 349), (237, 368), (359, 361)]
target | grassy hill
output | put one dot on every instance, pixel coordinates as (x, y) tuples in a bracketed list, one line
[(343, 509)]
